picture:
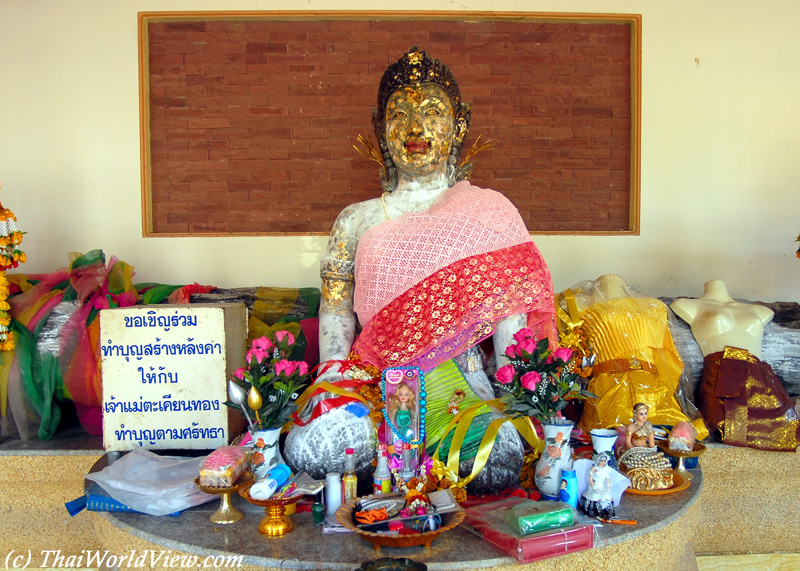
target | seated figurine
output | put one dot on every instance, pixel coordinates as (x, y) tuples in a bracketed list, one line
[(430, 268), (645, 466)]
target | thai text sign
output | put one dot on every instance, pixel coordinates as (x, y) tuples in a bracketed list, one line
[(164, 374)]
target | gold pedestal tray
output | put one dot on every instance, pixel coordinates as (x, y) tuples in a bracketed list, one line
[(276, 522), (680, 455), (226, 513)]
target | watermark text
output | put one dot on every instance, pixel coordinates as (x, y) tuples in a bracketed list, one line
[(133, 559)]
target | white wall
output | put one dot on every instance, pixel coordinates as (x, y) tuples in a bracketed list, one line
[(720, 148)]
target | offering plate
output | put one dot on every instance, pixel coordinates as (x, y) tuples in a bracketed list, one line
[(226, 513), (681, 455), (344, 516), (275, 523)]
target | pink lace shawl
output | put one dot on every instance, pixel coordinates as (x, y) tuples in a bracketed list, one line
[(465, 221)]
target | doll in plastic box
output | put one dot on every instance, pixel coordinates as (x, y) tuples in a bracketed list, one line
[(402, 409)]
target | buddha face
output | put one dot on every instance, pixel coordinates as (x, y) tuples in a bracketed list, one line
[(640, 415), (420, 128)]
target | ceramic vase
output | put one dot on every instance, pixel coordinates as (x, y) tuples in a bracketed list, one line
[(557, 456), (603, 440), (266, 451)]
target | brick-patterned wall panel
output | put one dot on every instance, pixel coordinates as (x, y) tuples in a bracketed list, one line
[(252, 122)]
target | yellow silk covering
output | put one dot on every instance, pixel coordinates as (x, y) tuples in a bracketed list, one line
[(634, 330), (257, 328), (274, 303)]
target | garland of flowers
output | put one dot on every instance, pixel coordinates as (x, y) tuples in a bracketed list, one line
[(10, 257), (362, 371)]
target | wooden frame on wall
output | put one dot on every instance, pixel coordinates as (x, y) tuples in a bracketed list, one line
[(248, 119)]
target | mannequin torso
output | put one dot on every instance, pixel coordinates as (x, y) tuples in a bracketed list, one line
[(719, 321)]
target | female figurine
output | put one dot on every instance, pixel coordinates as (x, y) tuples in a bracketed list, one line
[(429, 269), (597, 500), (646, 466), (402, 408), (640, 432)]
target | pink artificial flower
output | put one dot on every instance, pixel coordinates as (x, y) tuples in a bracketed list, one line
[(505, 374), (256, 356), (563, 353), (239, 373), (526, 348), (302, 368), (530, 380), (263, 344), (284, 367), (523, 334), (281, 335), (511, 352)]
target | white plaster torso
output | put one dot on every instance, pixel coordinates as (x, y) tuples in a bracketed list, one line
[(719, 321)]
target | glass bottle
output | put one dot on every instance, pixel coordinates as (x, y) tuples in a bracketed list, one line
[(318, 510), (349, 480), (382, 479)]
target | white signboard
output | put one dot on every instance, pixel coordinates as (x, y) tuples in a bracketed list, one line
[(165, 371)]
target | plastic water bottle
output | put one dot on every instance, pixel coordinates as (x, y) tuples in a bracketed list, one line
[(333, 492), (568, 493), (266, 486)]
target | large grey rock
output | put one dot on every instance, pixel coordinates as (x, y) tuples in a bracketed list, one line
[(319, 447)]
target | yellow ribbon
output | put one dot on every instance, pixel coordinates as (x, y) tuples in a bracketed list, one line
[(568, 323), (303, 398), (462, 422), (441, 471)]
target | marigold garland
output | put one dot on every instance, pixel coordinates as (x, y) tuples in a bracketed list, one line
[(371, 392), (527, 475), (10, 257)]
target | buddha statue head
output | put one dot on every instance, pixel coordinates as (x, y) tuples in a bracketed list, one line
[(420, 121)]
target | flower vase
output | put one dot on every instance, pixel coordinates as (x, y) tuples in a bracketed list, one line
[(603, 440), (557, 456), (266, 451)]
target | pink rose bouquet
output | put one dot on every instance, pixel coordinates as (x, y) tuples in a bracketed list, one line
[(537, 382), (277, 381)]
